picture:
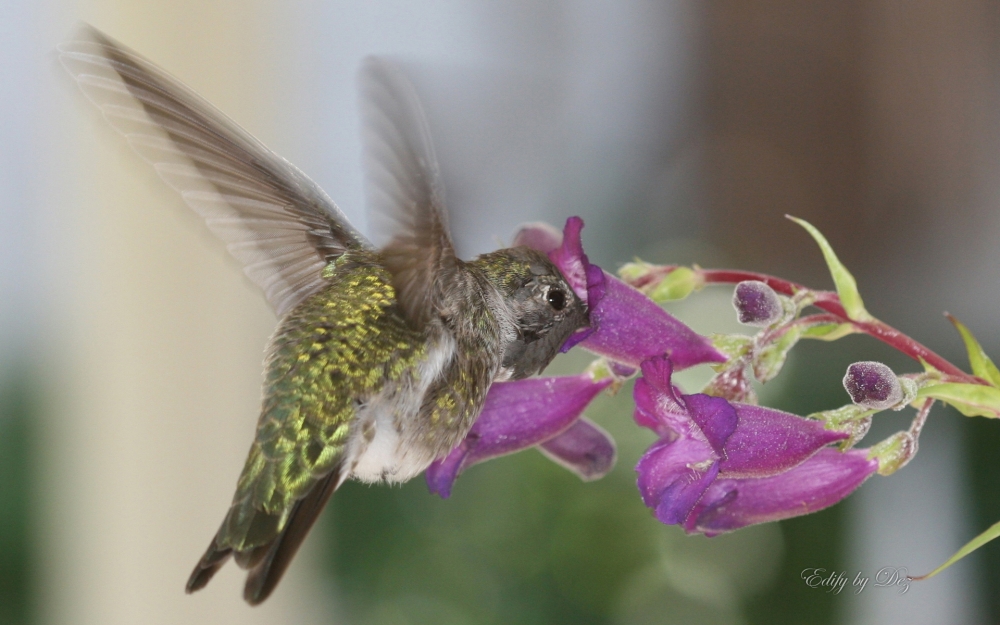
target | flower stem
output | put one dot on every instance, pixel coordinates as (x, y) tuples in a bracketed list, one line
[(830, 302), (919, 420)]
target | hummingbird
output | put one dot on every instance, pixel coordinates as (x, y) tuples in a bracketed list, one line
[(382, 356)]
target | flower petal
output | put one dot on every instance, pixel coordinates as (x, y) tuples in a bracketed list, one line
[(515, 416), (630, 328), (570, 259), (752, 441), (538, 235), (625, 325), (585, 449), (768, 441), (819, 482), (716, 418), (673, 475), (658, 405)]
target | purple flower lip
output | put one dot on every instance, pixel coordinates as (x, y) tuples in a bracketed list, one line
[(720, 465), (821, 481), (626, 326), (538, 235), (524, 413)]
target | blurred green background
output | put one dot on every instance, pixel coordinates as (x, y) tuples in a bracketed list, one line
[(130, 343)]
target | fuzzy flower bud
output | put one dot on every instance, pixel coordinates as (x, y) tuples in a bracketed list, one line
[(873, 385), (757, 304)]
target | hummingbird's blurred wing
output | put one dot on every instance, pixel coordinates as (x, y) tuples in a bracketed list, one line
[(406, 208), (276, 221)]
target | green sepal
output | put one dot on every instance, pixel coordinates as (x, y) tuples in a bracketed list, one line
[(909, 386), (972, 400), (676, 285), (771, 358), (981, 364), (732, 345), (838, 416), (600, 369), (636, 270), (852, 419), (847, 287), (893, 453), (972, 545), (828, 331)]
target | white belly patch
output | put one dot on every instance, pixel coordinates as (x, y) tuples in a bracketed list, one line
[(384, 457), (381, 458)]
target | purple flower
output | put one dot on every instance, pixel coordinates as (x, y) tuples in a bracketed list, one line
[(525, 413), (719, 466), (626, 326)]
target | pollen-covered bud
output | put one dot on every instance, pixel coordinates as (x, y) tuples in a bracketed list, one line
[(756, 304), (873, 385)]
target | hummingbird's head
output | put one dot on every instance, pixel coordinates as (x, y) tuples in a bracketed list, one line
[(544, 309)]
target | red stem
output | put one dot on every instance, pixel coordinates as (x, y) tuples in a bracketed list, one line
[(830, 302)]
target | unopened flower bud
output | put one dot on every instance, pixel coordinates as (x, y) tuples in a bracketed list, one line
[(873, 385), (757, 304)]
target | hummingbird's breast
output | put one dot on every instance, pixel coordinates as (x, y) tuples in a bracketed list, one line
[(408, 426), (388, 447)]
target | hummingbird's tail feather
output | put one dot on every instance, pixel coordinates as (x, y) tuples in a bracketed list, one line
[(265, 575), (270, 556), (209, 564)]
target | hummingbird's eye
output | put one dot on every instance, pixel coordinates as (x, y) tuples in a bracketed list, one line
[(556, 299)]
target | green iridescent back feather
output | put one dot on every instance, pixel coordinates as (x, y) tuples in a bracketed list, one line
[(333, 352)]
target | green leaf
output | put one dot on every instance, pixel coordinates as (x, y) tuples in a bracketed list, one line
[(969, 547), (981, 364), (847, 287), (972, 400)]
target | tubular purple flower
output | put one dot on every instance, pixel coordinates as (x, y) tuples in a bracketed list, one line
[(585, 449), (626, 326), (524, 413), (819, 482), (710, 449)]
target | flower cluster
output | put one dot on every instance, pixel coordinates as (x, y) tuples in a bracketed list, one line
[(721, 462), (721, 465)]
